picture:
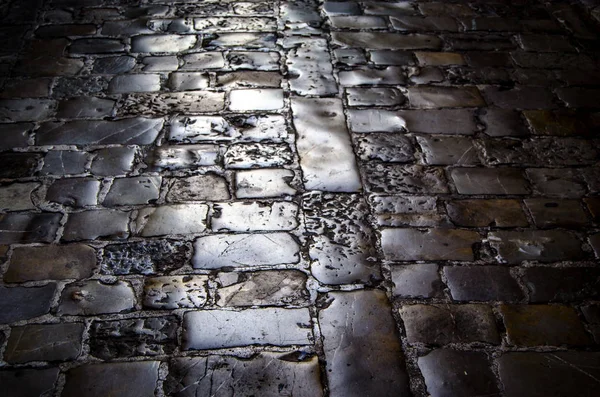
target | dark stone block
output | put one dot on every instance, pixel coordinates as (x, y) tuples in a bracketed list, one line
[(23, 303), (44, 342), (548, 284), (156, 256), (18, 165), (482, 283), (29, 228), (29, 382)]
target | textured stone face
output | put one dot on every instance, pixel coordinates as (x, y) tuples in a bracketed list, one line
[(93, 297), (175, 292), (48, 342), (147, 257)]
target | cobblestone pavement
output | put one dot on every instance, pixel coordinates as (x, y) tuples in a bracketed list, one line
[(299, 198)]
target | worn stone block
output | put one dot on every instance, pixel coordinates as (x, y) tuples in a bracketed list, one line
[(394, 179), (171, 219), (487, 213), (432, 244), (376, 96), (429, 97), (168, 43), (44, 342), (514, 247), (443, 150), (88, 298), (498, 181), (198, 188), (548, 213), (466, 283), (417, 281), (254, 155), (503, 122), (203, 60), (17, 110), (519, 98), (144, 257), (23, 303), (175, 292), (17, 196), (64, 162), (386, 147), (132, 191), (29, 228), (85, 107), (90, 225), (254, 216), (183, 157), (96, 46), (549, 284), (74, 192), (134, 83), (269, 182), (381, 40), (367, 76), (29, 382), (556, 182)]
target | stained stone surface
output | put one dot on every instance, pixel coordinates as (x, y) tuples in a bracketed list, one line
[(131, 191), (146, 257), (29, 382), (432, 244), (17, 197), (175, 292), (543, 246), (198, 188), (45, 342), (22, 303), (264, 183), (93, 297), (28, 228), (417, 281), (254, 216), (171, 219), (74, 192), (90, 225)]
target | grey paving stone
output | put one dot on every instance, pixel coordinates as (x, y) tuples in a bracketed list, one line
[(132, 191), (171, 219), (44, 342), (349, 56), (549, 213), (270, 182), (382, 41), (135, 379), (392, 57), (268, 288), (18, 110), (442, 8), (18, 165), (232, 24), (64, 162), (498, 181), (362, 346), (252, 60), (29, 228), (226, 250), (29, 382), (394, 179), (429, 97), (243, 40), (431, 23), (134, 131), (366, 76), (543, 325), (177, 157), (187, 81), (114, 65), (144, 257), (126, 28), (392, 9), (15, 135), (503, 122), (309, 66), (254, 155), (465, 283), (134, 83), (254, 216), (93, 224), (66, 87), (88, 298), (96, 46), (417, 281), (203, 60), (358, 22), (114, 161), (514, 247), (548, 284), (267, 374), (175, 292), (444, 324), (213, 329), (74, 192), (133, 337), (443, 121), (167, 43), (432, 244), (332, 8), (198, 188), (85, 107), (394, 148), (341, 242), (188, 102), (23, 303), (167, 63), (376, 120), (519, 98), (374, 96), (549, 374), (27, 88), (458, 373), (17, 196), (556, 182), (51, 262), (484, 213), (448, 150)]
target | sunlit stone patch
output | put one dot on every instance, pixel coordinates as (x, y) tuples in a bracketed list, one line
[(256, 99), (252, 155), (264, 183), (254, 216), (175, 292)]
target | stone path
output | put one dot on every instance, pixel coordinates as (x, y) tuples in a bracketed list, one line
[(299, 198)]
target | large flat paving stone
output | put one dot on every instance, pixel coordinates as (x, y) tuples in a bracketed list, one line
[(171, 219), (93, 297), (144, 257), (432, 244), (29, 382), (540, 245), (380, 40), (362, 346), (29, 228), (44, 342), (254, 216), (175, 292), (23, 303)]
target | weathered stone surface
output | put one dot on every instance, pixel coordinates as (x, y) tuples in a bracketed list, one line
[(114, 161), (243, 40), (268, 288), (556, 182), (271, 182), (29, 382), (132, 191), (90, 225), (17, 196), (268, 374), (198, 188), (543, 325), (171, 219), (162, 43), (167, 63), (96, 46), (15, 135), (23, 303), (559, 122), (538, 152), (579, 97), (147, 257), (64, 162), (134, 379), (519, 98), (29, 228), (114, 65), (134, 131), (548, 284), (484, 213), (549, 374), (213, 329), (393, 148), (133, 337), (448, 150), (432, 244), (557, 213), (134, 83), (465, 283), (175, 292), (362, 346), (203, 60), (426, 97), (66, 87), (444, 324), (380, 40), (366, 76), (458, 373), (227, 250), (253, 155), (17, 110), (417, 281), (254, 216), (394, 179), (392, 57), (349, 56), (498, 181), (183, 157), (440, 58), (374, 96), (358, 22), (44, 342), (18, 165), (443, 121), (74, 192), (309, 66), (188, 81), (85, 107), (51, 262), (545, 246), (92, 297)]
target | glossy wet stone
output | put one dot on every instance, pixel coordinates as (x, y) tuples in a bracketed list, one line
[(542, 325), (309, 66), (374, 96), (213, 329), (17, 110), (114, 65), (132, 191), (227, 250), (175, 292), (561, 284), (465, 282), (162, 43), (23, 303), (448, 150), (29, 228), (264, 183), (556, 182), (358, 22), (113, 161), (392, 41), (90, 225), (166, 63), (64, 162), (417, 281), (133, 337), (242, 40), (254, 216), (268, 288), (365, 76), (136, 379), (499, 181), (189, 102), (544, 246), (146, 257), (424, 97), (85, 107), (183, 157), (444, 324), (74, 192), (482, 213), (17, 196), (171, 219), (93, 297), (268, 374), (432, 244), (44, 342), (452, 372), (51, 262), (204, 60), (360, 343), (253, 155), (134, 83), (394, 148), (198, 188), (394, 179), (188, 81)]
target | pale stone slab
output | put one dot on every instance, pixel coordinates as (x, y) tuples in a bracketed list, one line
[(268, 182), (171, 219), (309, 66), (254, 216), (256, 99)]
